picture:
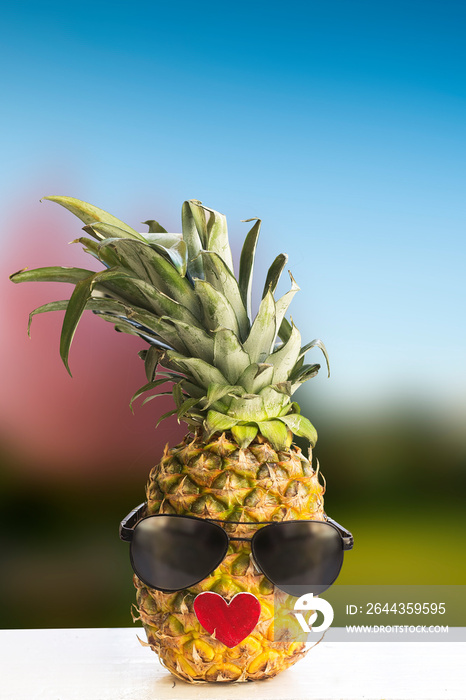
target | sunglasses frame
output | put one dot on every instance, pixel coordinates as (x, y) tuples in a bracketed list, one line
[(128, 525)]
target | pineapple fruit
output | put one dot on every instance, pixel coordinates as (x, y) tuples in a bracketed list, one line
[(232, 379)]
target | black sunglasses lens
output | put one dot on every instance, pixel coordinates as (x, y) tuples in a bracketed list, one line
[(299, 557), (171, 553)]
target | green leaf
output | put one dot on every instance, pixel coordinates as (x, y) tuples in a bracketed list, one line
[(103, 231), (218, 312), (135, 257), (167, 363), (246, 264), (282, 387), (197, 341), (260, 340), (302, 374), (74, 311), (193, 241), (165, 240), (89, 246), (300, 426), (193, 390), (194, 419), (51, 274), (147, 387), (120, 282), (274, 401), (217, 237), (156, 396), (52, 306), (99, 304), (154, 226), (229, 356), (296, 383), (89, 213), (200, 220), (274, 273), (244, 434), (121, 285), (106, 256), (256, 377), (186, 407), (284, 330), (276, 433), (217, 423), (283, 303), (151, 266), (151, 360), (316, 344), (177, 254), (248, 407), (177, 395), (142, 354), (160, 327), (216, 392), (284, 359), (160, 303), (123, 325), (219, 276), (165, 415), (202, 373), (171, 246)]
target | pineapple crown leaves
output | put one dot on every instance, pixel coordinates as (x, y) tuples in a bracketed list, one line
[(179, 293)]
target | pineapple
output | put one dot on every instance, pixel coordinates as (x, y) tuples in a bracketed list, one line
[(232, 379)]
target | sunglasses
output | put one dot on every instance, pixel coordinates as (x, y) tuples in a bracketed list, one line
[(174, 552)]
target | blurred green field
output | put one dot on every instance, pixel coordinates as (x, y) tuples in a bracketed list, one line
[(394, 481), (406, 548)]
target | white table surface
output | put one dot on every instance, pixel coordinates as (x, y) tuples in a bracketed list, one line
[(110, 664)]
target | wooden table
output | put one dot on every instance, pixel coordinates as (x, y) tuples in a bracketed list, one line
[(110, 664)]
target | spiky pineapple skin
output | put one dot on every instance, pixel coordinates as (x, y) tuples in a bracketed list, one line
[(220, 480)]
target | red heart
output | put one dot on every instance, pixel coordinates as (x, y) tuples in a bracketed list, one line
[(229, 622)]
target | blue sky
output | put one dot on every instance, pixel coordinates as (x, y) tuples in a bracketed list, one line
[(341, 124)]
